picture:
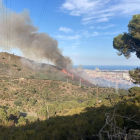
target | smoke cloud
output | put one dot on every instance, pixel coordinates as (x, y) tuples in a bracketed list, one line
[(18, 31), (121, 84)]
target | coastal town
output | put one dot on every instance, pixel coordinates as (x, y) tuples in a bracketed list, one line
[(110, 75)]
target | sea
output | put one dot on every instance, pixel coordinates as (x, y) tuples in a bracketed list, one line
[(106, 67)]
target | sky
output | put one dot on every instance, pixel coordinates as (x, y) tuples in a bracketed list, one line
[(84, 29)]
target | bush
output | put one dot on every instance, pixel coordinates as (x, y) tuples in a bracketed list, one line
[(42, 112), (14, 92), (12, 111), (19, 69), (3, 115), (26, 99), (33, 101), (32, 76), (14, 65), (4, 88), (22, 120), (134, 91), (31, 119), (18, 103), (33, 90)]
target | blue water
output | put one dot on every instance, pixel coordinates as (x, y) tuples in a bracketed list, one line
[(103, 67)]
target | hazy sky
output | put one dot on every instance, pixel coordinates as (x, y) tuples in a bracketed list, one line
[(84, 28)]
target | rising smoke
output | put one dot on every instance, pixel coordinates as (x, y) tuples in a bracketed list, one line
[(18, 31)]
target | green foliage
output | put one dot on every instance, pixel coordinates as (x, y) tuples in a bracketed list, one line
[(65, 124), (19, 69), (14, 65), (32, 76), (128, 43), (4, 88), (134, 27), (85, 125), (22, 120), (26, 99), (81, 99), (18, 103), (32, 101), (31, 119), (134, 91), (42, 112), (135, 75), (14, 92), (12, 111), (33, 90), (3, 115)]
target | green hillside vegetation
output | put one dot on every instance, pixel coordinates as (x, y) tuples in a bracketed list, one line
[(46, 109), (39, 103), (86, 124), (33, 95)]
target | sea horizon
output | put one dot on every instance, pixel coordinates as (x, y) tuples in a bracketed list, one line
[(107, 67)]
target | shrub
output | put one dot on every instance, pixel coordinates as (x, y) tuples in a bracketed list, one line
[(22, 120), (33, 101), (14, 65), (42, 112), (3, 115), (31, 119), (18, 103), (12, 111), (14, 92), (19, 69), (134, 91), (26, 99), (33, 90), (32, 76), (4, 88)]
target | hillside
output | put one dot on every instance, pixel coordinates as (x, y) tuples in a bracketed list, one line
[(31, 95), (20, 67), (13, 67), (46, 109), (38, 99)]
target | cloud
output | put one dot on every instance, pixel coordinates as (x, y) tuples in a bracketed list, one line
[(93, 11), (64, 29), (112, 33), (74, 46), (106, 27), (75, 37), (95, 34), (84, 33), (104, 33), (91, 27)]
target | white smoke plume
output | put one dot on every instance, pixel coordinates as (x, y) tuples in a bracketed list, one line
[(18, 31), (121, 84)]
